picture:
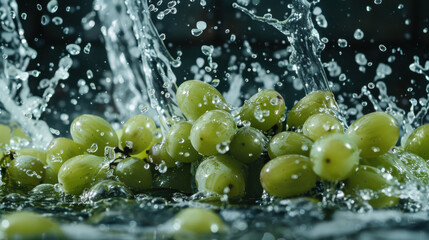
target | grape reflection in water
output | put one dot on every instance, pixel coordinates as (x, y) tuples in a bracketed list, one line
[(143, 76)]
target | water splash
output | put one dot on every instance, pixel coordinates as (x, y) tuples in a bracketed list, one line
[(305, 42), (16, 102)]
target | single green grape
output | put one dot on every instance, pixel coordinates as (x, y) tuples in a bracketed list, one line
[(197, 221), (212, 132), (370, 178), (334, 157), (247, 145), (418, 142), (37, 153), (321, 124), (51, 176), (135, 173), (374, 133), (29, 225), (26, 171), (178, 144), (93, 133), (288, 175), (5, 134), (157, 138), (158, 155), (80, 172), (178, 178), (221, 174), (313, 103), (60, 150), (263, 110), (137, 134), (195, 98), (285, 143)]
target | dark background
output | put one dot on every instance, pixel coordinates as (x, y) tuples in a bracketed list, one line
[(401, 30)]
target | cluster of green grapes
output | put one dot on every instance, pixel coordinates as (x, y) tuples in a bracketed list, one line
[(231, 153)]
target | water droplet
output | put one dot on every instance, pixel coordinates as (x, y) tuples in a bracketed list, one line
[(73, 49), (196, 32), (87, 48), (358, 35), (201, 25), (57, 20), (89, 74), (382, 48), (378, 1), (24, 16), (45, 20), (342, 43), (360, 59), (321, 21), (52, 6)]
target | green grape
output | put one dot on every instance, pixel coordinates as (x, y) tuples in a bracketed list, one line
[(418, 142), (221, 174), (158, 155), (60, 150), (17, 132), (196, 221), (374, 133), (5, 134), (390, 163), (178, 178), (285, 143), (195, 98), (80, 172), (51, 176), (288, 175), (135, 173), (263, 110), (157, 138), (29, 225), (37, 153), (321, 124), (212, 130), (178, 144), (247, 144), (26, 171), (137, 134), (93, 133), (313, 103), (334, 157), (370, 178), (108, 189)]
